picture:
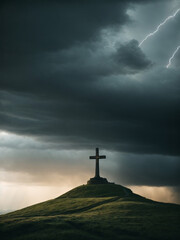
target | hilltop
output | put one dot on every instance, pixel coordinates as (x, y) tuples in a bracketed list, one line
[(104, 211)]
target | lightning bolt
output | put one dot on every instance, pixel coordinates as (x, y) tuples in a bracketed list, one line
[(159, 26), (171, 58)]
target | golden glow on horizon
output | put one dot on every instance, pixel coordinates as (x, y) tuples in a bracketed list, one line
[(16, 196), (161, 194)]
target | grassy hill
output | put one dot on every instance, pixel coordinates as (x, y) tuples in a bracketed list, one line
[(95, 212)]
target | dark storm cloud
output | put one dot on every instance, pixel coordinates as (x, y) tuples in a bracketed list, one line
[(118, 112), (131, 57), (151, 170), (74, 93), (38, 26), (48, 26), (71, 69)]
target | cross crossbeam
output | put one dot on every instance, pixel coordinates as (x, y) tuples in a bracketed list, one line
[(97, 157)]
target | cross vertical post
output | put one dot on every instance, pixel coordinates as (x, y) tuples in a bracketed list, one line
[(97, 163)]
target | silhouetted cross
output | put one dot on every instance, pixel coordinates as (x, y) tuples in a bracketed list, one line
[(97, 157)]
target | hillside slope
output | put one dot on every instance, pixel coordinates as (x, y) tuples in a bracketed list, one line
[(94, 212)]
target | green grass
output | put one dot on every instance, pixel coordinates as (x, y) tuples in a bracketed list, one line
[(89, 215), (102, 190), (57, 207)]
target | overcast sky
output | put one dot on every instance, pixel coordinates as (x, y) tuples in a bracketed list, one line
[(74, 76)]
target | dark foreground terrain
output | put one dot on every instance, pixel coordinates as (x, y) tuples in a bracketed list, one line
[(92, 212)]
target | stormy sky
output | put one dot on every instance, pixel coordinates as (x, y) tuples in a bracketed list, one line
[(74, 76)]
